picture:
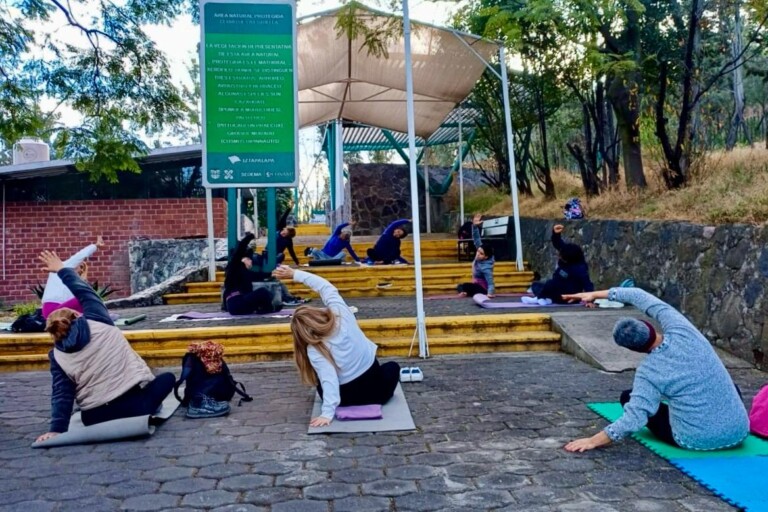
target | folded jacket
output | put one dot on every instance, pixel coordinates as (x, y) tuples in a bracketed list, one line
[(359, 412)]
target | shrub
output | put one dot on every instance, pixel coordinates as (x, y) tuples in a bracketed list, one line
[(25, 308)]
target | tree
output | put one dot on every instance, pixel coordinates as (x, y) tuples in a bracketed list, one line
[(100, 64)]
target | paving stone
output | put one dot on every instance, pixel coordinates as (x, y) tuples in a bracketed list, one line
[(587, 506), (72, 492), (650, 506), (301, 506), (223, 470), (603, 493), (536, 495), (466, 470), (209, 499), (271, 495), (86, 504), (201, 460), (661, 490), (148, 502), (330, 491), (30, 506), (302, 478), (435, 459), (240, 507), (356, 451), (389, 487), (705, 504), (422, 502), (245, 482), (361, 503), (188, 485), (441, 484), (404, 449), (485, 499), (560, 479), (112, 476), (382, 461), (274, 468), (502, 481), (131, 488), (168, 473)]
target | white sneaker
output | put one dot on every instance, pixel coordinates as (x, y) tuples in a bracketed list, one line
[(405, 375), (416, 374), (529, 300), (544, 302)]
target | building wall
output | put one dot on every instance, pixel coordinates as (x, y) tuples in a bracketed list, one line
[(68, 226)]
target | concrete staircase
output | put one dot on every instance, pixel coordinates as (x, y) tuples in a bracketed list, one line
[(377, 281), (270, 342)]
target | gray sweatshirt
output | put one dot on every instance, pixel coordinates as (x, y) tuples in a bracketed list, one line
[(705, 410)]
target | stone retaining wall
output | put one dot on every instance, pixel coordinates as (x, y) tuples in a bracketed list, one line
[(714, 274)]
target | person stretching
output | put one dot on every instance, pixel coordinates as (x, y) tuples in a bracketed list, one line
[(703, 409), (93, 364), (386, 251), (56, 295), (335, 246), (238, 296), (285, 236), (332, 352), (482, 266), (571, 274)]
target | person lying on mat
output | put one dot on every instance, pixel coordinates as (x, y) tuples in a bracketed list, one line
[(571, 274), (386, 250), (702, 407), (336, 245), (56, 295), (333, 354), (482, 266), (93, 364)]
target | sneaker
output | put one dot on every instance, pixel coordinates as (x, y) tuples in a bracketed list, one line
[(206, 407), (405, 375), (529, 300), (544, 302), (307, 251), (293, 302), (416, 374)]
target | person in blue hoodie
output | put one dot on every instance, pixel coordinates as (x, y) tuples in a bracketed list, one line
[(571, 275), (335, 246), (482, 266), (682, 391), (93, 364), (386, 251)]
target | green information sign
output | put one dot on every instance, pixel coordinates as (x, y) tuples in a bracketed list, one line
[(250, 92)]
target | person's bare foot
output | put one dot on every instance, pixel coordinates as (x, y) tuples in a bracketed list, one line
[(462, 294)]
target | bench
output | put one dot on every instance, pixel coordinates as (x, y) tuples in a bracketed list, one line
[(499, 232)]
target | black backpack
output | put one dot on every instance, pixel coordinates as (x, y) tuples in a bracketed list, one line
[(219, 386), (29, 322)]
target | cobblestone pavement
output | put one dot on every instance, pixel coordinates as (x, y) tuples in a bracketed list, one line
[(490, 431)]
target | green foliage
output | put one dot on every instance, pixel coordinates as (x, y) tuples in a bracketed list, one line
[(100, 64), (25, 308), (376, 38), (482, 199)]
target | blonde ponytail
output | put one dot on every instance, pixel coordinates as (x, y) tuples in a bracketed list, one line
[(311, 326)]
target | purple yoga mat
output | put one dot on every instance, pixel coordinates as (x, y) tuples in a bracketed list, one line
[(457, 296), (196, 315), (359, 412), (484, 302)]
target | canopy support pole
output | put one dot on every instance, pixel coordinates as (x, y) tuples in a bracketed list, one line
[(460, 156), (339, 149), (421, 326), (211, 242)]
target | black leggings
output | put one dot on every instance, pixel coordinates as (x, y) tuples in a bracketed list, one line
[(259, 301), (471, 289), (137, 401), (658, 424), (375, 386)]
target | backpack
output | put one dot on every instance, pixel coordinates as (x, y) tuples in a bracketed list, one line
[(572, 209), (217, 384), (29, 322), (758, 414)]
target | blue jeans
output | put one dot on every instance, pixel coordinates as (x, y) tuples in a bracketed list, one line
[(318, 254)]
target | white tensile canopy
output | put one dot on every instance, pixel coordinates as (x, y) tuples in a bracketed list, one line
[(338, 79)]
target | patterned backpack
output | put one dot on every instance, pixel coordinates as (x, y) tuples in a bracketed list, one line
[(573, 210)]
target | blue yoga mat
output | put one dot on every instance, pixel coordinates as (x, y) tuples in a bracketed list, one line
[(741, 481)]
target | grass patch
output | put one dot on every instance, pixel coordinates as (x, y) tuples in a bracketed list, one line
[(727, 187)]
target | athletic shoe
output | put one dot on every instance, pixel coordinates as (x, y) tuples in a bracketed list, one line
[(529, 300), (544, 302), (203, 406), (307, 251), (405, 375), (416, 374), (295, 301)]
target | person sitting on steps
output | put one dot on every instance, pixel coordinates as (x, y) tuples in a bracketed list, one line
[(332, 352), (703, 409), (93, 364), (238, 296), (482, 266), (336, 245), (571, 274), (386, 251)]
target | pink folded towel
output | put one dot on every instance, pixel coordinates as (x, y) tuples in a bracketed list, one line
[(359, 412)]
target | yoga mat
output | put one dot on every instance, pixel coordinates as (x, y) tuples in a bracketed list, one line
[(739, 481), (484, 302), (223, 315), (123, 428), (751, 446), (397, 416), (457, 296), (735, 475)]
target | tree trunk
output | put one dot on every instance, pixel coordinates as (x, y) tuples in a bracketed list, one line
[(737, 119), (549, 186)]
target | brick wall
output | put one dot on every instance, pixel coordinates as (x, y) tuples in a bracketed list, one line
[(68, 226)]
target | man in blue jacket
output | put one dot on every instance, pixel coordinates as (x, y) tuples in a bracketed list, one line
[(387, 248), (335, 246)]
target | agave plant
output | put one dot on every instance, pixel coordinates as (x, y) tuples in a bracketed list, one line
[(101, 291)]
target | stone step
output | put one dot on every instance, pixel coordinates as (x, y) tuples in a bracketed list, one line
[(447, 335)]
